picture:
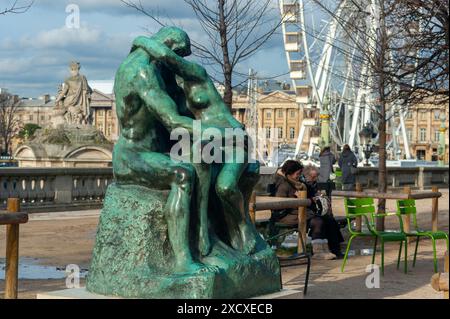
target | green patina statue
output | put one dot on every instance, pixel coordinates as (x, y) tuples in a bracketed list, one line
[(172, 229)]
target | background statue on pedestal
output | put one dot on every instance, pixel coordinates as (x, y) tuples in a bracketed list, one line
[(70, 133), (73, 99)]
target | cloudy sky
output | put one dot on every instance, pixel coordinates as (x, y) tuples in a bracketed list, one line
[(36, 46)]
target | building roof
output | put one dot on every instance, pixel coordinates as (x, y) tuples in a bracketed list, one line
[(104, 86), (36, 103)]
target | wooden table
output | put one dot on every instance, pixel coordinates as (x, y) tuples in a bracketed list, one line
[(434, 195), (269, 203)]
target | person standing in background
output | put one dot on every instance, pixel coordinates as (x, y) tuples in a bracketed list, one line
[(348, 164), (327, 160)]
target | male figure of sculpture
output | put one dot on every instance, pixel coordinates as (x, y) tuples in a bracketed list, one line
[(207, 105), (147, 97)]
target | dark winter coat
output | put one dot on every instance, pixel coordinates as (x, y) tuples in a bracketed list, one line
[(346, 162), (327, 161)]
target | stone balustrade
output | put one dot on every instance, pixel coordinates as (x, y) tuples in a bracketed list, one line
[(47, 189), (59, 189)]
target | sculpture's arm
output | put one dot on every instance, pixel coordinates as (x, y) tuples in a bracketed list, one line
[(63, 93), (161, 104), (187, 70)]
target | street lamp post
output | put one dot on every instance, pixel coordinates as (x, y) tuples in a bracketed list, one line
[(365, 136)]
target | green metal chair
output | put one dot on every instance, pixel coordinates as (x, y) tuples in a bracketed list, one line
[(408, 207), (365, 208)]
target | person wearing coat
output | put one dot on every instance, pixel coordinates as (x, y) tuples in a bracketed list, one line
[(348, 164), (327, 160), (287, 184)]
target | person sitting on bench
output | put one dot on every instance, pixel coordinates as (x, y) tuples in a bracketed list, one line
[(287, 184), (321, 222)]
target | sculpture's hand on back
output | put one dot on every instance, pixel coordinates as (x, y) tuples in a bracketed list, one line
[(160, 52), (156, 50)]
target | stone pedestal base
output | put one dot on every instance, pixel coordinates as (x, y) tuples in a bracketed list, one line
[(82, 293), (133, 257)]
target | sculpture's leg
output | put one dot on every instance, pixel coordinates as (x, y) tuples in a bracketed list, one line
[(177, 216), (233, 201), (159, 171), (204, 184)]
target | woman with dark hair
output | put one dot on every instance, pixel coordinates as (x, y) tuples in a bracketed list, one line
[(324, 230), (287, 184)]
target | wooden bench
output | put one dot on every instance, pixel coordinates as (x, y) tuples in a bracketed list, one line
[(12, 218)]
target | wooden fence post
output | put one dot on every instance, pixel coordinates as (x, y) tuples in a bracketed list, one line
[(435, 210), (302, 217), (251, 210), (358, 220), (407, 218), (12, 252)]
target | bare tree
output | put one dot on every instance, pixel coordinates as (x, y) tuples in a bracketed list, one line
[(430, 39), (403, 47), (235, 31), (17, 7), (9, 123)]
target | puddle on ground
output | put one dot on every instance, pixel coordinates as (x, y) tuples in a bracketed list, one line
[(291, 242), (29, 268)]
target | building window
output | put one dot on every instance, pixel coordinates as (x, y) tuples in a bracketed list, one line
[(292, 133), (108, 114), (269, 114), (100, 126), (409, 134), (409, 115), (280, 132), (49, 117), (423, 115), (437, 135), (280, 114), (423, 135), (268, 132), (30, 117), (292, 114), (42, 117), (100, 113), (437, 114)]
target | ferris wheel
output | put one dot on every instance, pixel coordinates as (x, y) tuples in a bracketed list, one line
[(319, 56)]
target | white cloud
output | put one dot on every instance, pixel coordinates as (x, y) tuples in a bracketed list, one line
[(172, 8), (61, 37)]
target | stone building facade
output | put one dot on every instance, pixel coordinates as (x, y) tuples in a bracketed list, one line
[(39, 111), (423, 124), (280, 113)]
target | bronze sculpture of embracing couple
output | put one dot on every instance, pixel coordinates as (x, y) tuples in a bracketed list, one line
[(172, 228)]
